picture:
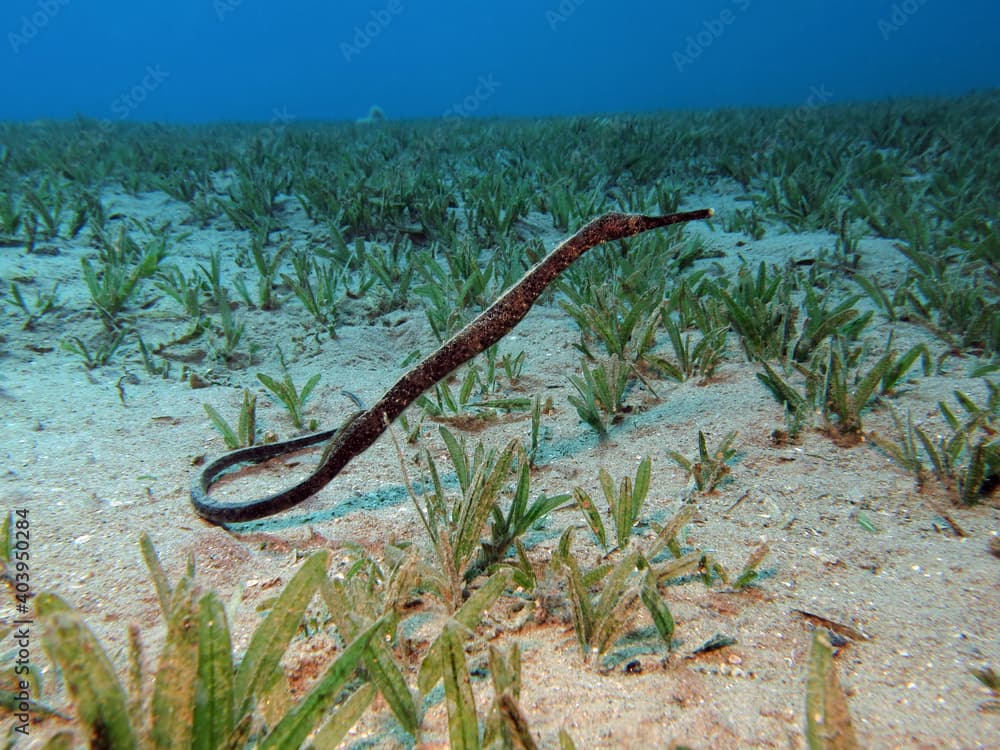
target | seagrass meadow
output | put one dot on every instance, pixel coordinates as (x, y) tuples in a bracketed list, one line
[(731, 483)]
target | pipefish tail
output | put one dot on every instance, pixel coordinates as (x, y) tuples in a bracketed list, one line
[(363, 428)]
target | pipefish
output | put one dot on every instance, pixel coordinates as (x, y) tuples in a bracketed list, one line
[(363, 428)]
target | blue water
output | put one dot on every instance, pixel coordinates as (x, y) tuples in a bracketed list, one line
[(260, 60)]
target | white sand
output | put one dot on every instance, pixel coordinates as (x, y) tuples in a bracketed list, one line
[(94, 472)]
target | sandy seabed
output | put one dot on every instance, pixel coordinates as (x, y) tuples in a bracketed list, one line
[(97, 456)]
